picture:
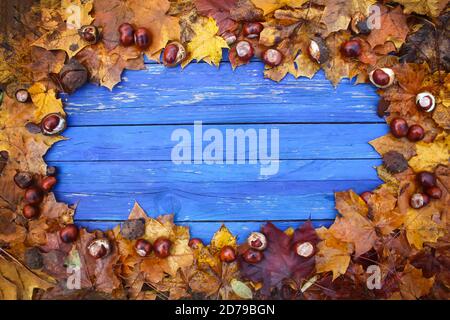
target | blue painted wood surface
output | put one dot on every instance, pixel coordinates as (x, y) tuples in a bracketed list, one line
[(119, 148)]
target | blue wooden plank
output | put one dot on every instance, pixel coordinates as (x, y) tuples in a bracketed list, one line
[(162, 95), (305, 141), (205, 230)]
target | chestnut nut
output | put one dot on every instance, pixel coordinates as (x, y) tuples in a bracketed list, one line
[(53, 124), (399, 127), (252, 256), (126, 37), (244, 50), (174, 54), (69, 233), (143, 247), (89, 34), (99, 248), (351, 48), (195, 243), (161, 246), (33, 195), (304, 249), (48, 183), (419, 200), (29, 211), (257, 240), (142, 38), (382, 77), (252, 30), (272, 57), (22, 96), (227, 254), (425, 101)]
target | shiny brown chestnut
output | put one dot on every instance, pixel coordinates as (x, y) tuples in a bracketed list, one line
[(244, 50), (252, 30), (174, 54), (252, 256), (257, 240), (195, 243), (34, 196), (161, 247), (227, 254), (99, 248), (142, 38), (272, 57), (48, 183), (69, 233), (426, 179), (419, 200), (126, 32), (382, 77), (143, 247), (53, 124), (29, 211), (399, 127), (89, 33), (434, 192), (351, 48), (23, 179), (415, 133)]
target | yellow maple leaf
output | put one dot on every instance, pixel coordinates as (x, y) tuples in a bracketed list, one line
[(206, 44), (425, 7), (333, 254), (45, 101), (429, 155), (269, 6), (413, 284), (421, 227)]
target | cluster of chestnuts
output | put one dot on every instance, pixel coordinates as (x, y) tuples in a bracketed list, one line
[(130, 36), (161, 247), (399, 129), (430, 190)]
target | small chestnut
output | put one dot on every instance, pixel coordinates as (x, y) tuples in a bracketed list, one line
[(195, 243), (304, 249), (34, 195), (69, 233), (399, 127), (351, 48), (174, 54), (252, 256), (22, 96), (419, 200), (143, 247), (244, 50), (272, 57), (366, 196), (161, 246), (382, 77), (126, 31), (53, 124), (23, 179), (142, 38), (229, 37), (227, 254), (426, 179), (48, 183), (257, 241), (318, 50), (29, 211), (425, 101), (434, 192), (252, 30), (415, 133), (89, 34), (99, 248)]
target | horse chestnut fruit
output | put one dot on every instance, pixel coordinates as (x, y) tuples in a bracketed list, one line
[(143, 247), (351, 48), (142, 38), (257, 240), (244, 50), (69, 233), (415, 133), (399, 127), (48, 183), (174, 54), (126, 37), (382, 77), (22, 96), (99, 248), (53, 124), (419, 200), (195, 243), (434, 192), (272, 57), (29, 211), (304, 249), (318, 50), (227, 254), (425, 101), (23, 179), (34, 195), (252, 256), (162, 247), (252, 30), (426, 179), (89, 34), (229, 37)]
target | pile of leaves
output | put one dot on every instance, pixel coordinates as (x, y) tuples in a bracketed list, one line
[(410, 246)]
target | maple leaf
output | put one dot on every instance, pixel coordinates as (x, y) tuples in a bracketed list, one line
[(269, 6), (45, 101), (425, 7), (413, 285), (429, 155), (66, 36), (281, 263), (333, 254), (220, 10), (17, 282), (152, 14), (338, 13), (45, 62), (106, 67), (205, 45), (421, 226), (393, 28)]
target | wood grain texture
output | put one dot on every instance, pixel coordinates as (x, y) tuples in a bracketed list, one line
[(119, 148)]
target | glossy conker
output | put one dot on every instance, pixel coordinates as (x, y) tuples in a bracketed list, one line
[(89, 34), (252, 256), (69, 233), (425, 101), (143, 247), (227, 254), (426, 179), (257, 240), (304, 249), (419, 200), (29, 211), (174, 54), (229, 37), (142, 38), (244, 50), (34, 195), (252, 30), (99, 248), (434, 192), (382, 77), (22, 96), (126, 37), (195, 243), (272, 57), (351, 48), (53, 124), (48, 183), (399, 127), (415, 133), (161, 246)]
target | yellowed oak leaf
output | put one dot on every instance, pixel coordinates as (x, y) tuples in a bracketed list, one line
[(429, 155), (45, 101), (206, 44), (269, 6)]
